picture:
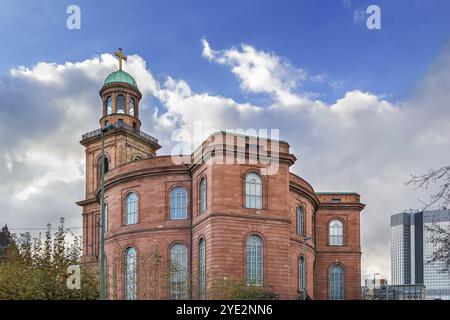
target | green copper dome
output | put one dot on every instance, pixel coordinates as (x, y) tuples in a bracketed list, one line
[(120, 76)]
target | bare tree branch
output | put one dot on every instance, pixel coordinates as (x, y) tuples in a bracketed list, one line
[(442, 176)]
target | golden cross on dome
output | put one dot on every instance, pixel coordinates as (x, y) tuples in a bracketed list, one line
[(121, 57)]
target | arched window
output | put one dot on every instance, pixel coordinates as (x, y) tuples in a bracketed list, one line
[(178, 279), (254, 260), (120, 102), (131, 207), (132, 106), (178, 203), (301, 274), (202, 195), (337, 282), (202, 268), (253, 191), (130, 274), (109, 105), (300, 221), (336, 230)]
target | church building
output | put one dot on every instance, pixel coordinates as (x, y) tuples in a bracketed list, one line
[(190, 227)]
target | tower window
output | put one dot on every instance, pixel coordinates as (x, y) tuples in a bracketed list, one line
[(120, 101), (131, 207), (109, 105), (132, 103), (300, 221), (336, 230), (106, 168)]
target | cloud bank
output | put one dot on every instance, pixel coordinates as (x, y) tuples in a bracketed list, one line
[(362, 142)]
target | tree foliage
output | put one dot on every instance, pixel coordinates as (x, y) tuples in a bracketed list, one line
[(35, 268)]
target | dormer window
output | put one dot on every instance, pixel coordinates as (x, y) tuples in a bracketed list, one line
[(120, 101)]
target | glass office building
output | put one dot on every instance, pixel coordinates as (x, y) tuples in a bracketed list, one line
[(411, 249)]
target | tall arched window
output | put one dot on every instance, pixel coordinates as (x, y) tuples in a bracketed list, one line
[(336, 231), (337, 282), (300, 221), (253, 191), (120, 103), (178, 279), (130, 274), (109, 105), (132, 103), (301, 274), (131, 207), (202, 268), (254, 260), (178, 203), (202, 195)]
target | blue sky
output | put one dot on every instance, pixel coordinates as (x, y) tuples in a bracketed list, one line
[(370, 112), (318, 36)]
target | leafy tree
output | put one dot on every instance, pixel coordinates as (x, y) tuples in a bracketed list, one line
[(37, 268)]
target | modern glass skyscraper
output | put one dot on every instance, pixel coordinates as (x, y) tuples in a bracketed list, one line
[(411, 249), (437, 282)]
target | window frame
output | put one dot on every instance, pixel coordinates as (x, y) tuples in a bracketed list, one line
[(125, 273), (202, 201), (110, 101), (332, 285), (249, 265), (137, 204), (120, 111), (176, 295), (332, 237), (301, 232), (132, 110), (202, 281), (186, 203)]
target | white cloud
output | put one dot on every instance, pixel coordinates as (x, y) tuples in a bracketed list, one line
[(362, 142)]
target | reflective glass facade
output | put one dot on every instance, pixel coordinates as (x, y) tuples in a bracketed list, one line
[(411, 250), (437, 282)]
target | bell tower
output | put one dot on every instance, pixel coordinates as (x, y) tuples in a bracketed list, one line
[(120, 98), (124, 142)]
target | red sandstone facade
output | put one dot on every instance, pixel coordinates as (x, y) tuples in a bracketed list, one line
[(226, 223)]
